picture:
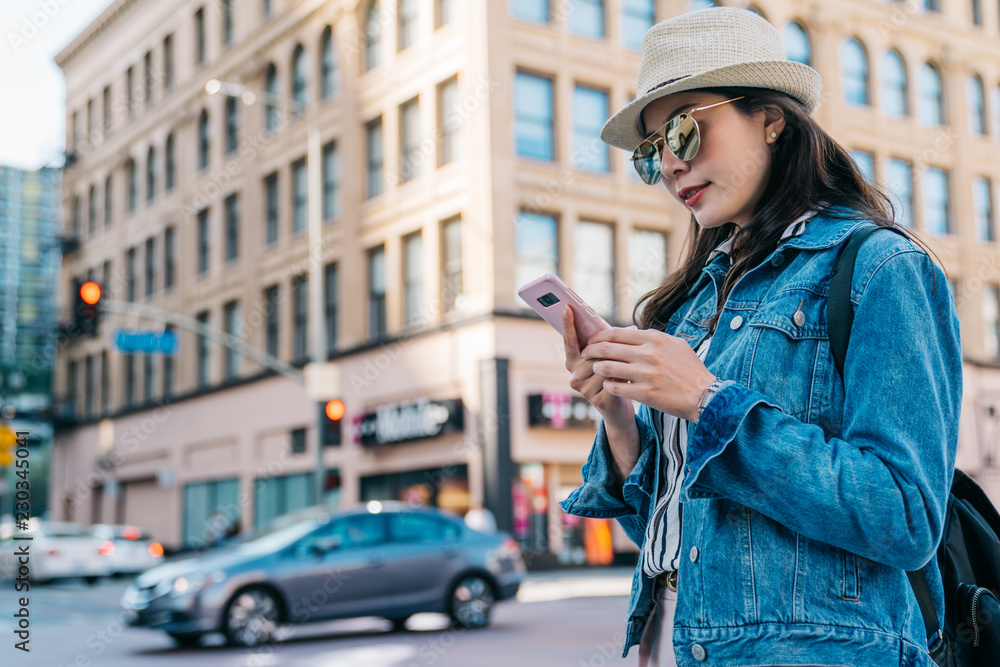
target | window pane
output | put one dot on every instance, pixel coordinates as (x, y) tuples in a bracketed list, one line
[(796, 43), (415, 528), (451, 265), (407, 23), (536, 248), (373, 36), (647, 258), (976, 104), (329, 66), (533, 125), (854, 72), (594, 270), (376, 291), (899, 182), (300, 316), (331, 182), (590, 111), (409, 132), (300, 79), (637, 18), (374, 158), (935, 186), (330, 303), (930, 110), (893, 93), (991, 322), (866, 163), (982, 206), (530, 10), (586, 18), (450, 118), (271, 208), (412, 278), (300, 194)]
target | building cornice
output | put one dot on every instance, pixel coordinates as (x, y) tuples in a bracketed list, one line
[(96, 27)]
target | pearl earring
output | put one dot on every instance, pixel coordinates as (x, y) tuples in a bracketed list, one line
[(774, 134)]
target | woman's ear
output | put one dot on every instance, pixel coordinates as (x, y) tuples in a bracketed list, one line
[(774, 123)]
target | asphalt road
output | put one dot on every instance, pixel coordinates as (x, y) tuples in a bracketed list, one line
[(567, 618)]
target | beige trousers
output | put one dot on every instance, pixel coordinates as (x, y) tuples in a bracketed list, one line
[(656, 648)]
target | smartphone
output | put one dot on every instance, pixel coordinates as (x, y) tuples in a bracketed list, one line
[(548, 296)]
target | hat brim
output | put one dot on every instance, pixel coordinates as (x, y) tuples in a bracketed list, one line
[(795, 79)]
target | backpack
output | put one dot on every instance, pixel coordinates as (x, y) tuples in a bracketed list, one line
[(969, 553)]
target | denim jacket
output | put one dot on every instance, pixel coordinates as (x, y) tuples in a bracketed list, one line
[(802, 503)]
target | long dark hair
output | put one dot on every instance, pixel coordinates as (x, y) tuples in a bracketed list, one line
[(808, 170)]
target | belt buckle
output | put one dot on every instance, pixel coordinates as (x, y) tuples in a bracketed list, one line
[(669, 580)]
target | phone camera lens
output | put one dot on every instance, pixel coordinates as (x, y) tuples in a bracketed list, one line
[(549, 299)]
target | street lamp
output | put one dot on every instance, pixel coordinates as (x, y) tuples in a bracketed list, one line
[(314, 213)]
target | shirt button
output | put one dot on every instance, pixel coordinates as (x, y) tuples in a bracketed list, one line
[(694, 554), (799, 318), (778, 260), (736, 322), (698, 652)]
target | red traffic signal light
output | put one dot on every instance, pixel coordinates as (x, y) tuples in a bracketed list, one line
[(335, 410), (86, 306), (90, 293), (331, 414)]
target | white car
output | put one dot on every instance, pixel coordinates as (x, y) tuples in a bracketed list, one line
[(130, 549), (57, 550)]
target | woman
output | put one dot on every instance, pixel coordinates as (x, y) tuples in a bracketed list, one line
[(777, 504)]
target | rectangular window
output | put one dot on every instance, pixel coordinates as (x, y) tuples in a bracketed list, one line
[(232, 206), (449, 122), (271, 208), (71, 382), (536, 11), (132, 174), (227, 22), (932, 5), (231, 322), (169, 257), (271, 331), (373, 134), (130, 274), (232, 124), (534, 128), (899, 183), (202, 354), (275, 496), (91, 122), (594, 270), (409, 141), (298, 441), (638, 16), (108, 200), (991, 321), (866, 163), (150, 266), (129, 369), (407, 23), (203, 241), (936, 215), (590, 110), (88, 386), (106, 278), (76, 216), (331, 182), (586, 18), (376, 292), (413, 278), (209, 507), (106, 111), (168, 370), (266, 8), (148, 378), (300, 317), (130, 91), (330, 299), (445, 11), (92, 210), (169, 163), (199, 36), (647, 262), (451, 265), (168, 62), (300, 196), (148, 78), (105, 383), (536, 246), (982, 207), (74, 130)]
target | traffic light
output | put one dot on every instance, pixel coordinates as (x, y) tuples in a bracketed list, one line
[(86, 306), (333, 413)]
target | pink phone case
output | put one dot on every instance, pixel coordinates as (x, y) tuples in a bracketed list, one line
[(548, 295)]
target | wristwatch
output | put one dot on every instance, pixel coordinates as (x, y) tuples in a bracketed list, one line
[(707, 395)]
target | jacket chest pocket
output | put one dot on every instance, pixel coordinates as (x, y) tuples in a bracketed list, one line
[(789, 353)]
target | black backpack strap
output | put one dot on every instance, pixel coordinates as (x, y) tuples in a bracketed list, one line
[(839, 310), (840, 318)]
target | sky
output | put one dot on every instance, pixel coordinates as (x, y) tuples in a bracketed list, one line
[(32, 112)]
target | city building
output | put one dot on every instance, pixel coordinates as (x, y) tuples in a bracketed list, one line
[(30, 251), (459, 158)]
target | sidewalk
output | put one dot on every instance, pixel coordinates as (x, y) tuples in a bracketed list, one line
[(582, 583)]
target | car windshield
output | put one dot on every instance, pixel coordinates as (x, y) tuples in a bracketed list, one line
[(282, 531)]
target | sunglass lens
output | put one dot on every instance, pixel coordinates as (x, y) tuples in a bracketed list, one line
[(683, 138), (646, 159)]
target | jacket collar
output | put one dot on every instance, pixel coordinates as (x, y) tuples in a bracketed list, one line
[(827, 229)]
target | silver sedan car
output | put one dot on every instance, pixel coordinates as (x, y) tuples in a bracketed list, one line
[(382, 559)]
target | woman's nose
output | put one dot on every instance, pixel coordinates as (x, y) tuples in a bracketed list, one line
[(671, 166)]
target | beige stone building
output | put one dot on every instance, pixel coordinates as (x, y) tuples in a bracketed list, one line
[(459, 158)]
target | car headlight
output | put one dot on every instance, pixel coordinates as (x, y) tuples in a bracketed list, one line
[(190, 584)]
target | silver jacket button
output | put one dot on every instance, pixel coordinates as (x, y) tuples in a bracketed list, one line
[(698, 652), (799, 318), (736, 322), (694, 554)]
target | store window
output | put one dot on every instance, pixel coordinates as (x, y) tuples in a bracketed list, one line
[(446, 488), (274, 496), (211, 512)]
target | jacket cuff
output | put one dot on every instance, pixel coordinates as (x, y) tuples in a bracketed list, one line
[(603, 494)]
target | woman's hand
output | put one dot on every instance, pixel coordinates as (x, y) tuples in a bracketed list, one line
[(649, 366), (616, 410)]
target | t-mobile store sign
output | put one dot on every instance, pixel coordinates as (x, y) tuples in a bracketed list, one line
[(411, 420), (561, 410)]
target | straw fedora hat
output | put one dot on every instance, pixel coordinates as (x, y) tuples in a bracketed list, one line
[(718, 46)]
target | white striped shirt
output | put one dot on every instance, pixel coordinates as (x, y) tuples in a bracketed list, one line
[(663, 532)]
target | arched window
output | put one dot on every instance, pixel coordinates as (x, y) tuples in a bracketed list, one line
[(300, 78), (271, 85), (894, 91), (170, 162), (930, 109), (796, 41), (204, 139), (976, 103), (328, 66), (407, 29), (373, 35), (854, 72), (150, 174)]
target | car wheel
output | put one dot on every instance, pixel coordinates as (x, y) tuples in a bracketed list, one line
[(92, 580), (471, 602), (398, 623), (252, 617), (186, 640)]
